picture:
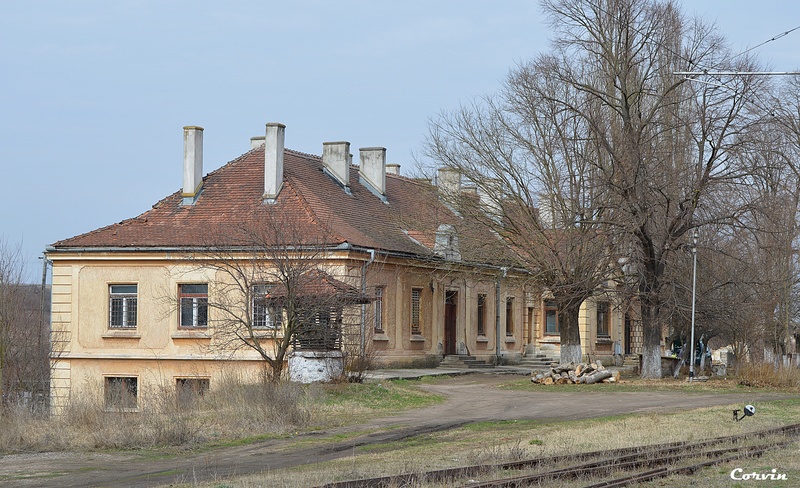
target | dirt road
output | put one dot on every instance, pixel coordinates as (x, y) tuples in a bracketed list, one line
[(470, 398)]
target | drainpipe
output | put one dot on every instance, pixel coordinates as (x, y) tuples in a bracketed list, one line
[(497, 316), (363, 346)]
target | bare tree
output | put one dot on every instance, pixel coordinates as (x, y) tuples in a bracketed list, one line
[(24, 344), (531, 163), (275, 290), (668, 144)]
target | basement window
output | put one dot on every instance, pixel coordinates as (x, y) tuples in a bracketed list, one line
[(121, 392), (189, 390)]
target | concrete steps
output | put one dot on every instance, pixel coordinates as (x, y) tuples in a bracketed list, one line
[(464, 361), (539, 361)]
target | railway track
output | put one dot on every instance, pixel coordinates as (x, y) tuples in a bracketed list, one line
[(609, 468)]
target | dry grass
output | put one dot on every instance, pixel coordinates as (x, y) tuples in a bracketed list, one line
[(234, 411), (493, 442), (762, 375)]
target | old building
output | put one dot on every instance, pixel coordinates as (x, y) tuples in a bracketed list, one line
[(137, 307)]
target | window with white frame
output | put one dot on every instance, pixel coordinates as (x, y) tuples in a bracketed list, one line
[(264, 315), (122, 303), (194, 305), (121, 392)]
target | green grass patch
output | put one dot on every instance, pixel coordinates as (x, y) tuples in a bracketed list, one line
[(386, 396)]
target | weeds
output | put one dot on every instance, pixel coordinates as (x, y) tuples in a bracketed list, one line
[(760, 375)]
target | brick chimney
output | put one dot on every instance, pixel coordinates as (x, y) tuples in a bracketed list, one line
[(372, 172), (273, 160), (192, 163), (336, 160)]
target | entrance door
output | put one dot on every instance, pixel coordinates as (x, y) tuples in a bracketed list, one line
[(450, 301)]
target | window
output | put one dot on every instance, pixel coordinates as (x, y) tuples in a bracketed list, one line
[(121, 392), (416, 328), (510, 316), (122, 306), (378, 309), (481, 314), (603, 319), (194, 305), (550, 317), (264, 316), (189, 390)]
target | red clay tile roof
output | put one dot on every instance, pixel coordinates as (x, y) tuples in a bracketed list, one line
[(317, 207)]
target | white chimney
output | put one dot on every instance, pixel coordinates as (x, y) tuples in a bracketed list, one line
[(336, 160), (448, 181), (373, 169), (273, 160), (393, 169), (256, 141), (192, 163)]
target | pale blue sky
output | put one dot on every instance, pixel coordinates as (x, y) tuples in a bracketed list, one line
[(94, 94)]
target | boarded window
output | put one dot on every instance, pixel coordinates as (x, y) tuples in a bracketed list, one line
[(194, 305), (122, 306), (121, 392)]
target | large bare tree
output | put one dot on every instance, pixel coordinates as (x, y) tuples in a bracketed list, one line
[(531, 162), (660, 148)]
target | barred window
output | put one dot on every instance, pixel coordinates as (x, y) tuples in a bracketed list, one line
[(378, 308), (194, 305), (416, 293), (122, 306)]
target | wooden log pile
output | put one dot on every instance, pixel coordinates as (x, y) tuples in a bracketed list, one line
[(583, 373)]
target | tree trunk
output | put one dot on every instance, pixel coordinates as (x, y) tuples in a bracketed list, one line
[(651, 343), (570, 333)]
